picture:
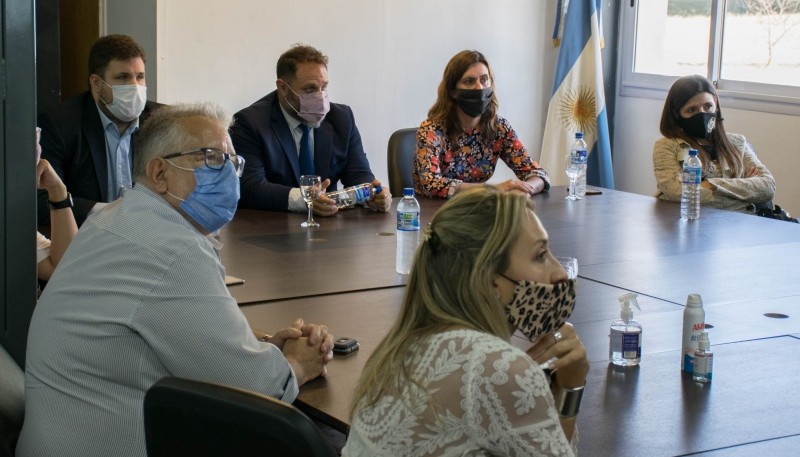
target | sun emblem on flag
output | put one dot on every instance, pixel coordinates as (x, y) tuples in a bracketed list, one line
[(578, 110)]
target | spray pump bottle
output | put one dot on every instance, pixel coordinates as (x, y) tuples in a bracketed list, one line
[(703, 359), (625, 339)]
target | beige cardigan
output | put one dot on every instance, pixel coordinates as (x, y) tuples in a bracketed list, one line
[(729, 192)]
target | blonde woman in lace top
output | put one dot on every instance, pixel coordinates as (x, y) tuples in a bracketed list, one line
[(733, 177), (445, 380)]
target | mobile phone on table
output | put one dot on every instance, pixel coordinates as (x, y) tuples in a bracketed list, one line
[(345, 345)]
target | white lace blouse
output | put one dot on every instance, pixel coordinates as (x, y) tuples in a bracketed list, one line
[(487, 398)]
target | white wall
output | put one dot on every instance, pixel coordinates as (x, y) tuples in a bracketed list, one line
[(137, 19), (386, 60), (774, 138), (386, 56)]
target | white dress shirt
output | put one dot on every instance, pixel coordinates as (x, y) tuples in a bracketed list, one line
[(139, 295)]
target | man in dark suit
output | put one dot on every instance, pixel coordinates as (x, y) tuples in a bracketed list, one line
[(88, 139), (296, 131)]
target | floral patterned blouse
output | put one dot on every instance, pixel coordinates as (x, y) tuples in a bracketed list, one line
[(440, 167), (487, 397)]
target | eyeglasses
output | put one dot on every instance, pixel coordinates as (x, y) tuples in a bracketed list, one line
[(214, 158)]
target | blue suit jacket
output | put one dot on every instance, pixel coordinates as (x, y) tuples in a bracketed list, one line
[(74, 143), (261, 135)]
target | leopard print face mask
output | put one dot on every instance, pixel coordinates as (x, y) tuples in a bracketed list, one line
[(537, 309)]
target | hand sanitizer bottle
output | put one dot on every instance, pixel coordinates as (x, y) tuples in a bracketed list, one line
[(625, 339)]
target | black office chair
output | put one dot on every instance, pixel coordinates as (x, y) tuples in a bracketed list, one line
[(12, 402), (197, 419), (400, 159)]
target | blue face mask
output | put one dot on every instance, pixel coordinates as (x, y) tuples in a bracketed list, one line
[(212, 204)]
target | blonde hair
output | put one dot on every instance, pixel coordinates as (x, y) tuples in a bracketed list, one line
[(467, 243)]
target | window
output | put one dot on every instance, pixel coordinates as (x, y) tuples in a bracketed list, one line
[(749, 48)]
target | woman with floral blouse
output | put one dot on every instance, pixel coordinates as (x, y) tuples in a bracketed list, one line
[(459, 144)]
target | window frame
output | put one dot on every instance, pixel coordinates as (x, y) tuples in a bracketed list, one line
[(745, 95)]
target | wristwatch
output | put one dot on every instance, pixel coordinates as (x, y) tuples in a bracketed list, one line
[(65, 203)]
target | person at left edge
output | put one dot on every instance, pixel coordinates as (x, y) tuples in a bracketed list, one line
[(88, 139), (269, 135)]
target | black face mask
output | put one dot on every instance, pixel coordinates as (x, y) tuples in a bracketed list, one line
[(699, 125), (473, 102)]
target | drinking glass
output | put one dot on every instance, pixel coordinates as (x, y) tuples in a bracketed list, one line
[(310, 187), (573, 171), (570, 265)]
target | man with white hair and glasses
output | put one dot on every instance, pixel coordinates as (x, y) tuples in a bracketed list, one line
[(140, 295)]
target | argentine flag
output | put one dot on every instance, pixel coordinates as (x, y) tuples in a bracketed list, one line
[(578, 103)]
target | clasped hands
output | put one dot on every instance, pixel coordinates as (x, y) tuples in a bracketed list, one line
[(307, 347)]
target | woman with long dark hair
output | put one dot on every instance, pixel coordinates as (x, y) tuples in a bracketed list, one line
[(733, 177), (460, 143)]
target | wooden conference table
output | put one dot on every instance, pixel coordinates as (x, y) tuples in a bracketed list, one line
[(342, 274)]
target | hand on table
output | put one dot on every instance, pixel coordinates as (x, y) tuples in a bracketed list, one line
[(527, 188)]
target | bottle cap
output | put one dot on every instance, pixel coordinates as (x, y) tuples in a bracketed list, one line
[(692, 152), (578, 134), (378, 189), (408, 192), (694, 301), (703, 343)]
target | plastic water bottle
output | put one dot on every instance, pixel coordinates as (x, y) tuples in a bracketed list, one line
[(352, 196), (407, 231), (690, 196), (579, 157), (694, 317)]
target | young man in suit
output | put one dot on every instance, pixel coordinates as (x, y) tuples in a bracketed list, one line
[(87, 139), (296, 131)]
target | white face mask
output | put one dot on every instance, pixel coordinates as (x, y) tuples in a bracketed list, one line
[(128, 102)]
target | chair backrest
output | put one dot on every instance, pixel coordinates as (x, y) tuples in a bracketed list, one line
[(400, 160), (12, 402), (192, 418)]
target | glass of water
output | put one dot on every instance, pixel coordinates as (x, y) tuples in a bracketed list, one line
[(570, 265), (310, 187), (573, 171)]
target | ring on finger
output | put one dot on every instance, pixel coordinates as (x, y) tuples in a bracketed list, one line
[(557, 336)]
